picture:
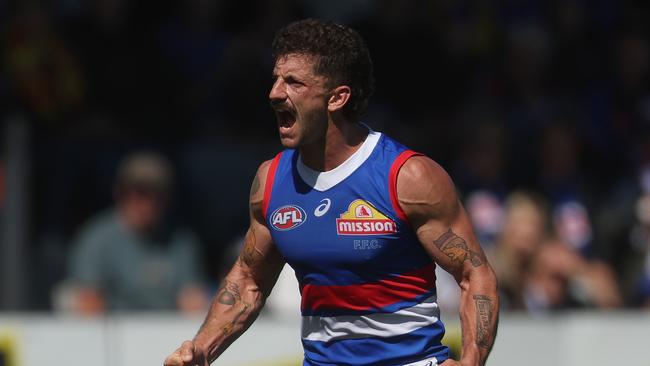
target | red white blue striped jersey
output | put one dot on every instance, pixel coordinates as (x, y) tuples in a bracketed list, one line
[(367, 285)]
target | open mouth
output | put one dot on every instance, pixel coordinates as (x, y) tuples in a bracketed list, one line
[(286, 119)]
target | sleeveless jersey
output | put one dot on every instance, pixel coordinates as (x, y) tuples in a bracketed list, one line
[(367, 286)]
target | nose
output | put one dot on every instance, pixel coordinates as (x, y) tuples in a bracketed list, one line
[(278, 93)]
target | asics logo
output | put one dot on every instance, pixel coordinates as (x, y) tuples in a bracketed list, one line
[(323, 207)]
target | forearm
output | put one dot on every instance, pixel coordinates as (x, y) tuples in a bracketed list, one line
[(479, 313), (234, 308)]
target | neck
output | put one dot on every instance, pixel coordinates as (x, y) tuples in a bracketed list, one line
[(342, 139)]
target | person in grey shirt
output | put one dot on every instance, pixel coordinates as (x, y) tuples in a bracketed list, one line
[(125, 259)]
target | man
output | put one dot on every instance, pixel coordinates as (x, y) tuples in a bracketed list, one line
[(359, 217), (122, 260)]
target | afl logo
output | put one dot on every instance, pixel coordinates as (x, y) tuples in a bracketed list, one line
[(288, 217)]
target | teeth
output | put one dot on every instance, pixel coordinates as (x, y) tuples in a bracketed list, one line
[(285, 119)]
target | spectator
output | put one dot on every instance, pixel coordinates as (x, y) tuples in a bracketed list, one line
[(524, 228), (127, 258), (560, 278)]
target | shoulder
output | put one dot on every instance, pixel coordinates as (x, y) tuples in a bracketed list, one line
[(425, 189), (102, 225), (423, 174), (259, 181), (263, 168), (259, 187), (96, 239)]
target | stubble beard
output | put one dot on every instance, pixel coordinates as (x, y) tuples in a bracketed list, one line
[(311, 129)]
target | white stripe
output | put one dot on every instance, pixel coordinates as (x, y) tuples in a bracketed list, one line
[(322, 181), (381, 325)]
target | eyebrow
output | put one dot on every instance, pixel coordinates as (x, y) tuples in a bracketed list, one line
[(289, 75)]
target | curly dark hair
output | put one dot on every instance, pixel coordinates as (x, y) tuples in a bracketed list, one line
[(341, 56)]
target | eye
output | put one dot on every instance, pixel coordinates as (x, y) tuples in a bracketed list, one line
[(293, 81)]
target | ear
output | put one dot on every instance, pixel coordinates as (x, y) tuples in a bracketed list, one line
[(339, 97)]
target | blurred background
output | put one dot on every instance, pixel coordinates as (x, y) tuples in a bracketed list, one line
[(131, 130)]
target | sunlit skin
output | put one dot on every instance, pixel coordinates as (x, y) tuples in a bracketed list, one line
[(299, 99), (309, 114)]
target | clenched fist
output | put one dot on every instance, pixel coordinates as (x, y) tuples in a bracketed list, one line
[(187, 355)]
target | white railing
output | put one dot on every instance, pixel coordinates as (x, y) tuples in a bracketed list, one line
[(572, 339)]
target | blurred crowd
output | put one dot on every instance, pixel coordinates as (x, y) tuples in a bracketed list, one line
[(540, 111)]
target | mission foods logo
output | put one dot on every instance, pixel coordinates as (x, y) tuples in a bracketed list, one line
[(362, 218), (288, 217)]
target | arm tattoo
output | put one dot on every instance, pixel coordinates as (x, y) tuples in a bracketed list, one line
[(248, 253), (228, 293), (456, 249), (228, 328), (484, 311)]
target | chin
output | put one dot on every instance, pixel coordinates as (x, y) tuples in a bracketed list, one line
[(289, 143)]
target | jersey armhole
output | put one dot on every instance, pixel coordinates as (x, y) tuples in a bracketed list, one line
[(392, 181), (268, 186)]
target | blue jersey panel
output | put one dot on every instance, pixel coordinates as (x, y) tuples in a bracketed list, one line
[(360, 266)]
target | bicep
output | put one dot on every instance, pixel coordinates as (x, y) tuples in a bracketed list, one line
[(428, 197), (259, 256)]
